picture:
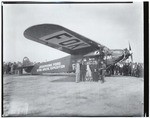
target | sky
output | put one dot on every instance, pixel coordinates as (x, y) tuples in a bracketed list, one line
[(112, 25)]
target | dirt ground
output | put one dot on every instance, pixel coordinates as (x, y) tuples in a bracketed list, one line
[(61, 96)]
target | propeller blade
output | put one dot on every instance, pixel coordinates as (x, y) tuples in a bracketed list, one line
[(129, 46), (130, 52)]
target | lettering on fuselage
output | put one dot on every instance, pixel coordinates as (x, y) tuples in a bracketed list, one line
[(65, 39), (51, 66), (107, 57)]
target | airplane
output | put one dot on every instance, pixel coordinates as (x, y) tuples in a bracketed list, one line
[(78, 46)]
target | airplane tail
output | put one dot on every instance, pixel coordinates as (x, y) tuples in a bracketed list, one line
[(26, 61)]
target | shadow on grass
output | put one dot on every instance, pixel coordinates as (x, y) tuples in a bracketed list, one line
[(66, 79)]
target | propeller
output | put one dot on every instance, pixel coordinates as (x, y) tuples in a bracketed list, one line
[(130, 52)]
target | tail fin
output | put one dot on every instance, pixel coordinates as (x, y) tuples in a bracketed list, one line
[(26, 61)]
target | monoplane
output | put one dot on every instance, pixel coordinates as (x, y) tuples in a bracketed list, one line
[(78, 46)]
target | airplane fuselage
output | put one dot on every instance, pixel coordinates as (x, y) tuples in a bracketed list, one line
[(67, 64)]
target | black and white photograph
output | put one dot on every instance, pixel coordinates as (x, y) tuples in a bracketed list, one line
[(73, 59)]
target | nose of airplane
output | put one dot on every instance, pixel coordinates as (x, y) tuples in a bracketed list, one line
[(128, 53)]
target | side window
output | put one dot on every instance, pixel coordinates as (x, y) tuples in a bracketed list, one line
[(73, 66)]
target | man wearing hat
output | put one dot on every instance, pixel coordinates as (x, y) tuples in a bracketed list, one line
[(102, 71)]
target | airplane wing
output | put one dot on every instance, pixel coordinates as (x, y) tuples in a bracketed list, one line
[(61, 38)]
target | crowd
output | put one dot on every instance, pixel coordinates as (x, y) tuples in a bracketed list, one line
[(11, 68), (126, 69), (96, 70), (90, 72)]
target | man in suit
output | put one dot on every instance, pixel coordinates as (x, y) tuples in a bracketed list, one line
[(82, 71), (94, 70), (102, 71)]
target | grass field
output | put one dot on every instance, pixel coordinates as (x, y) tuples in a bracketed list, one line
[(61, 96)]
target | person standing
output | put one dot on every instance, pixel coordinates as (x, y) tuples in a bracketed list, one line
[(94, 70), (77, 71), (83, 71), (88, 73), (121, 69), (4, 67), (102, 71), (129, 69), (138, 70), (15, 68), (12, 68)]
